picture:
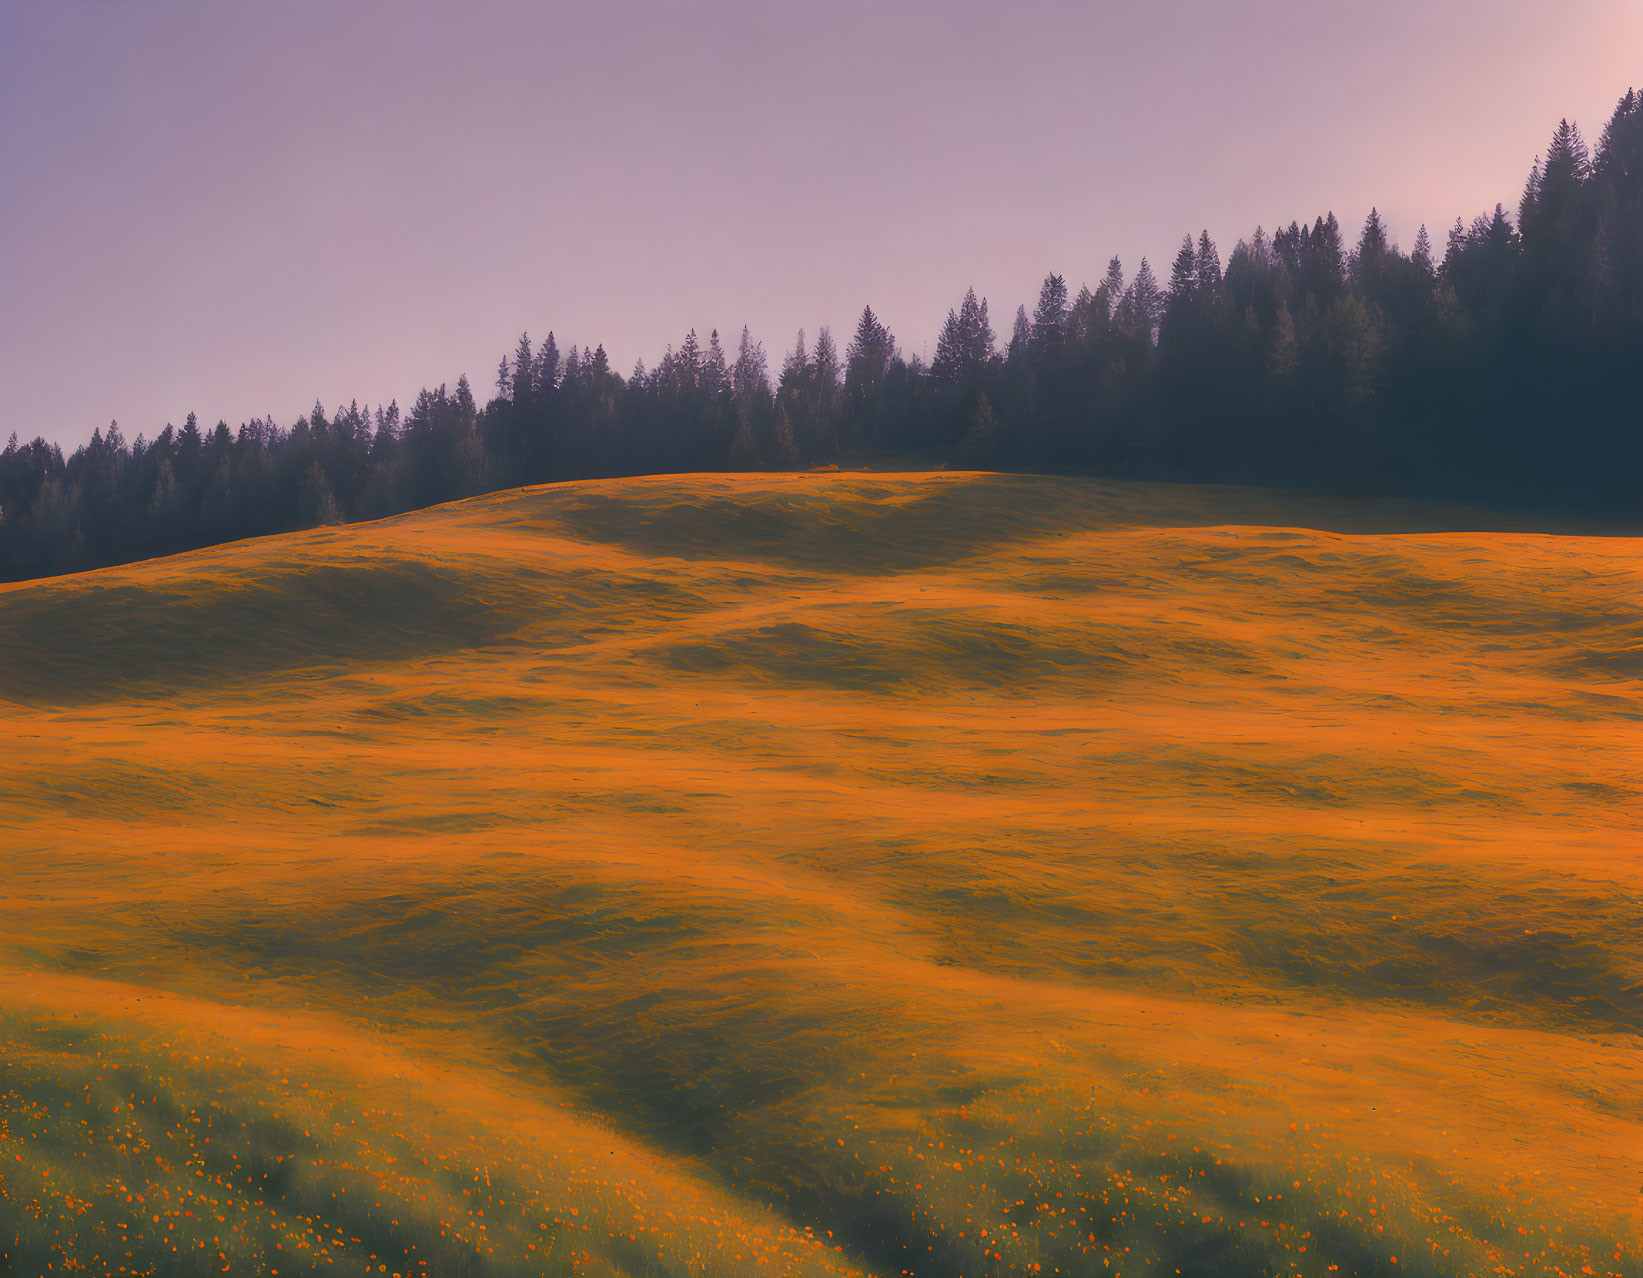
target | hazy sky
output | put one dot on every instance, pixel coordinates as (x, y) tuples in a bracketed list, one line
[(236, 207)]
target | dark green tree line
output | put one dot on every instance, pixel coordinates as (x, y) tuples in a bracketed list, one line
[(1509, 370)]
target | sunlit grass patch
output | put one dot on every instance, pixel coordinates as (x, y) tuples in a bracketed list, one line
[(134, 1155)]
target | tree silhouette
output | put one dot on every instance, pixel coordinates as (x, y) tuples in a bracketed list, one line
[(1506, 372)]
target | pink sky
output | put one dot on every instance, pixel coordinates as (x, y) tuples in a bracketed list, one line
[(235, 208)]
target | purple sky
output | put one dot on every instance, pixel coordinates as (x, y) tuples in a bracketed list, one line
[(233, 208)]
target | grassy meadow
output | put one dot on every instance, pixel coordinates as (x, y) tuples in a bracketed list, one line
[(830, 874)]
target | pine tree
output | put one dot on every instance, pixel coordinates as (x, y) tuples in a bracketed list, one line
[(1183, 276), (868, 358), (1112, 286), (1143, 302), (1326, 245), (1619, 159), (966, 342), (1567, 161), (750, 376), (524, 367), (1369, 260), (1207, 267), (690, 360), (1082, 325), (1050, 315), (1422, 256), (827, 356), (796, 367), (871, 349), (1557, 207), (977, 331), (545, 374), (190, 447), (387, 429), (1021, 337), (821, 421), (983, 335), (715, 373), (1456, 245), (467, 412), (949, 364), (1528, 204)]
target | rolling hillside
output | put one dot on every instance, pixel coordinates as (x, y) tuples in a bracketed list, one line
[(936, 874)]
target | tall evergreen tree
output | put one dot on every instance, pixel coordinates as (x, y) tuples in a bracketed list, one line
[(1207, 267), (1021, 337), (1112, 285), (750, 377), (524, 372), (715, 375), (1422, 256), (545, 372), (1529, 202), (1143, 302), (1183, 277), (966, 342), (867, 358), (1050, 315)]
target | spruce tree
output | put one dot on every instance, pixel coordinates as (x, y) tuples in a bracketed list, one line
[(1112, 285), (1143, 303), (1528, 203), (966, 342), (867, 358), (821, 421), (949, 362), (690, 360), (1183, 276), (750, 375), (1369, 261), (524, 367), (1207, 267), (1050, 315), (1021, 337), (977, 331), (1422, 256), (1619, 159), (715, 375), (545, 373), (796, 367)]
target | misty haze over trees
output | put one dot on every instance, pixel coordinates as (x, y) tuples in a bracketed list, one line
[(1506, 367)]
